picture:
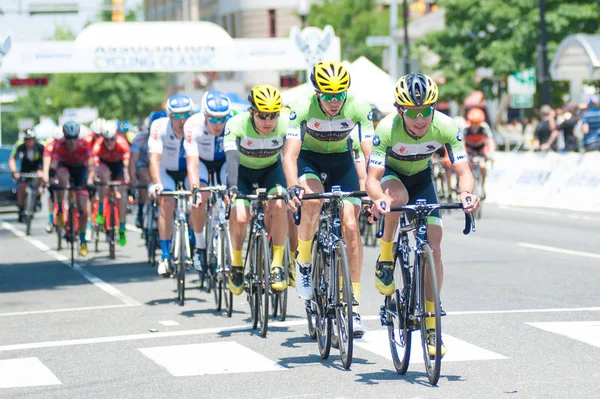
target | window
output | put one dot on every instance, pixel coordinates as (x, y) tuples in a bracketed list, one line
[(272, 24)]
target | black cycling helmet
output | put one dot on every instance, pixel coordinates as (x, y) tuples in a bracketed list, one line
[(71, 129)]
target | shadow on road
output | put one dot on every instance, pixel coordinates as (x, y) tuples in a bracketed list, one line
[(411, 377)]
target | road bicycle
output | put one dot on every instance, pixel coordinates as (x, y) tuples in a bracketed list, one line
[(31, 198), (333, 299), (476, 161), (180, 246), (416, 280), (258, 260), (150, 230), (111, 216)]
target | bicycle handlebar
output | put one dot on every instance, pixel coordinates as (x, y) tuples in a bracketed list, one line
[(29, 176), (177, 193), (327, 196)]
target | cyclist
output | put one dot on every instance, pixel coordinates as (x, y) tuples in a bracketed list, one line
[(111, 154), (479, 140), (400, 171), (138, 164), (204, 151), (30, 152), (48, 173), (253, 143), (317, 142), (95, 131), (125, 130), (73, 161), (168, 166)]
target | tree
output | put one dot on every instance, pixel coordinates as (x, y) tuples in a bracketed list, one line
[(502, 35), (353, 21)]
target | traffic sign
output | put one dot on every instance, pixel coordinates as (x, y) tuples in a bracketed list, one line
[(379, 40), (521, 100), (522, 82)]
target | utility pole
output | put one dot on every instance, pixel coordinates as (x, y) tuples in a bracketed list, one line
[(406, 49), (544, 75), (393, 45)]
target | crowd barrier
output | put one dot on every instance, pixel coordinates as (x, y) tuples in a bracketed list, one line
[(552, 180)]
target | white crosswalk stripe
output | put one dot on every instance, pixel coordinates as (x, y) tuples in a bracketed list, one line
[(25, 372), (583, 331)]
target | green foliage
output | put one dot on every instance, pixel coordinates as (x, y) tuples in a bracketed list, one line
[(502, 35), (353, 21)]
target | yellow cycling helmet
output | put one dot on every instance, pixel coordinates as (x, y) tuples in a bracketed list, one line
[(265, 98), (330, 77), (416, 89)]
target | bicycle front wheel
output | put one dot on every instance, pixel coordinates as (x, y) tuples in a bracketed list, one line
[(112, 237), (343, 298), (29, 209), (397, 308), (322, 320), (263, 282), (224, 267), (72, 215), (428, 283)]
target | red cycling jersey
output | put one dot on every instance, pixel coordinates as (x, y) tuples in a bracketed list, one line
[(121, 151), (49, 147), (82, 153), (92, 139)]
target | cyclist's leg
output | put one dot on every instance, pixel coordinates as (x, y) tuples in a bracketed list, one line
[(238, 226), (276, 213), (63, 176), (165, 217), (143, 179), (79, 179), (103, 174), (117, 173), (198, 218), (392, 186)]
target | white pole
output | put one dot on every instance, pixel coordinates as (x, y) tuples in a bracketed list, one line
[(393, 45)]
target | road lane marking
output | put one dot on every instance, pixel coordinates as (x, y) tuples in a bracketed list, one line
[(559, 250), (45, 311), (25, 372), (458, 350), (98, 282), (216, 358), (245, 327), (583, 331), (563, 214), (169, 323)]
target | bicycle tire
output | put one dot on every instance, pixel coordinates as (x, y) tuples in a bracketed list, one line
[(249, 265), (29, 205), (321, 283), (310, 306), (343, 298), (264, 283), (212, 260), (112, 224), (283, 296), (432, 363), (397, 308), (59, 231), (72, 232), (225, 265)]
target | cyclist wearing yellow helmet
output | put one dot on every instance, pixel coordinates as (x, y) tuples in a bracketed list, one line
[(318, 142), (253, 143), (400, 172)]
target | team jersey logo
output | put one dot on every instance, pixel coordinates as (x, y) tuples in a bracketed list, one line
[(370, 115), (292, 115), (227, 131), (376, 140), (459, 136)]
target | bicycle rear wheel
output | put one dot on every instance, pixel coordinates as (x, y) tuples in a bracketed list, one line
[(178, 262), (72, 215), (427, 274), (226, 257), (343, 298), (478, 190), (112, 238), (397, 308), (322, 320), (283, 296)]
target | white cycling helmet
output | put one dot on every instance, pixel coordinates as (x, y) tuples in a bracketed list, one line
[(216, 104), (179, 104), (96, 126), (109, 130), (58, 133)]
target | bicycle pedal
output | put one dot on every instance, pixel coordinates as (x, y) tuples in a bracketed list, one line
[(383, 316)]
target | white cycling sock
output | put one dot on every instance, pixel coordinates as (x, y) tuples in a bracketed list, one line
[(200, 241)]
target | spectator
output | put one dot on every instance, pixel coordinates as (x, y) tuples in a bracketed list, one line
[(570, 120), (545, 132), (591, 126)]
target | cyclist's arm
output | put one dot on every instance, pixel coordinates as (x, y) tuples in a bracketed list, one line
[(233, 164), (290, 160), (193, 163), (373, 185), (361, 170), (91, 166), (154, 167), (466, 181), (12, 165), (133, 158)]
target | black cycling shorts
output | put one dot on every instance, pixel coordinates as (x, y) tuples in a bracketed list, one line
[(116, 169), (271, 178)]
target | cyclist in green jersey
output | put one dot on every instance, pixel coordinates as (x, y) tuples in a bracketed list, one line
[(30, 152), (317, 144), (253, 144), (400, 172)]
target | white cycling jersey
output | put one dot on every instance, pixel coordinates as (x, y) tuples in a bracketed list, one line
[(163, 141), (200, 143)]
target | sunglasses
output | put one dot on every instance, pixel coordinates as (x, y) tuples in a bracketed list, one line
[(184, 115), (216, 120), (263, 116), (330, 97), (71, 138), (113, 139), (415, 113)]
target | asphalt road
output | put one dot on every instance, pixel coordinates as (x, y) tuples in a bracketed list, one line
[(521, 294)]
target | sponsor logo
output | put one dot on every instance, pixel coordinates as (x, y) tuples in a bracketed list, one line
[(370, 115), (402, 150), (250, 142), (459, 136), (376, 140), (275, 142), (431, 147), (227, 131), (461, 157), (189, 138), (345, 125), (317, 125), (328, 136), (375, 162), (292, 115)]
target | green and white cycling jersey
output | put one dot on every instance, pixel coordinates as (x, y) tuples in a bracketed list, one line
[(395, 149), (321, 134), (256, 151)]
